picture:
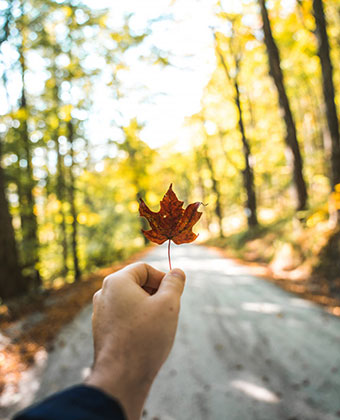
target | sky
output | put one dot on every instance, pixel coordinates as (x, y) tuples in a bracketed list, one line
[(159, 96), (171, 93)]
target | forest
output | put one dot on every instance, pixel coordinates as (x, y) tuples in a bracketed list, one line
[(262, 151)]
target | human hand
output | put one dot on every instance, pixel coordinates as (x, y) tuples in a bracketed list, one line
[(134, 323)]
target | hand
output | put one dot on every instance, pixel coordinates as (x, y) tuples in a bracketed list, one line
[(134, 322)]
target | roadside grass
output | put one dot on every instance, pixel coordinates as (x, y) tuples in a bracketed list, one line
[(301, 257)]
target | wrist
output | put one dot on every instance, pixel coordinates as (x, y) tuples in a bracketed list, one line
[(118, 384)]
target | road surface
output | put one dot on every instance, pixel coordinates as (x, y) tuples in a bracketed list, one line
[(245, 349)]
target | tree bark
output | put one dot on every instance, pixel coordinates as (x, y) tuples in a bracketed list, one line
[(61, 197), (216, 189), (291, 136), (29, 225), (72, 192), (328, 89), (12, 282), (143, 222), (248, 174), (207, 219), (60, 184)]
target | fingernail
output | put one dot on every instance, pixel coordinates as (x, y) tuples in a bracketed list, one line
[(178, 273)]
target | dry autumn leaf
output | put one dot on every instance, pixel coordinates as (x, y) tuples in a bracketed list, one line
[(172, 222)]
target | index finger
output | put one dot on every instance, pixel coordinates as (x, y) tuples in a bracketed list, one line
[(144, 275)]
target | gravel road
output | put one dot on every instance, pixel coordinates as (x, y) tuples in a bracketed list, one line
[(245, 349)]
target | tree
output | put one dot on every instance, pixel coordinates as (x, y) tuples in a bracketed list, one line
[(61, 195), (29, 224), (16, 30), (291, 136), (12, 282), (64, 49), (215, 187), (72, 200), (140, 157), (248, 174), (328, 89)]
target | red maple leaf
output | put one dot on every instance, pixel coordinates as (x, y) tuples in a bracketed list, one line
[(172, 222)]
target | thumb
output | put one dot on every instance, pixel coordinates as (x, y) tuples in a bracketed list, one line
[(173, 283)]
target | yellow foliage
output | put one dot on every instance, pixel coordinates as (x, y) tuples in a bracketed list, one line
[(102, 21), (53, 121), (69, 220), (152, 198), (82, 218), (316, 218), (133, 206), (66, 207), (47, 234), (138, 242), (65, 112), (21, 114), (54, 206), (88, 219), (58, 218), (336, 198), (50, 83), (119, 208), (67, 11), (93, 219)]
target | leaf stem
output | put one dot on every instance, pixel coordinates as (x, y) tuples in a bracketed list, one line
[(169, 253)]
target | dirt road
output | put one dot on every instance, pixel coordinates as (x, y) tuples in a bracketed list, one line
[(245, 349)]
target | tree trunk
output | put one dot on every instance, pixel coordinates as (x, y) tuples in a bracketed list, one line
[(216, 189), (291, 137), (207, 219), (61, 197), (72, 191), (29, 225), (143, 222), (12, 282), (200, 183), (328, 89), (248, 174)]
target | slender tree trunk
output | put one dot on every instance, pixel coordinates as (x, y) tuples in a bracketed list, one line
[(198, 166), (225, 152), (316, 110), (61, 185), (72, 193), (12, 282), (207, 219), (30, 241), (291, 137), (248, 174), (216, 189), (328, 89), (143, 221), (251, 110), (61, 197)]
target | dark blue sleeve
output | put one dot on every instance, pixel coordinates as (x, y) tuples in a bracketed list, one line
[(77, 403)]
